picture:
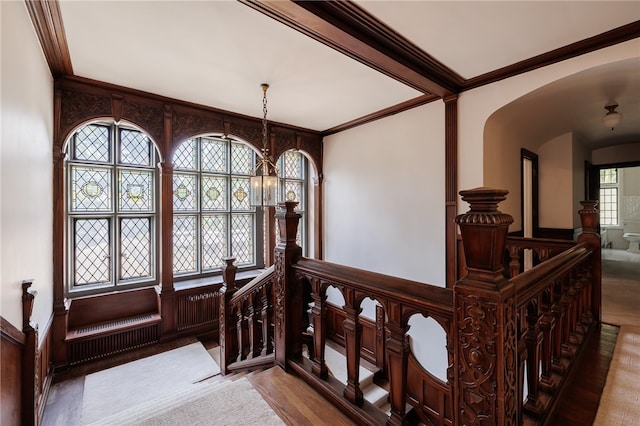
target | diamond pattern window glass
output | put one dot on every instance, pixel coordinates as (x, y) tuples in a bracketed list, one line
[(214, 241), (135, 148), (212, 215), (92, 251), (186, 156), (135, 243), (92, 143), (242, 159), (112, 203), (214, 155), (185, 246), (242, 238), (608, 202)]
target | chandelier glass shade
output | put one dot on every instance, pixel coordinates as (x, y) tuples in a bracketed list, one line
[(612, 118)]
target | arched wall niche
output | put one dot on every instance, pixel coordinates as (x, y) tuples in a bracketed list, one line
[(564, 114)]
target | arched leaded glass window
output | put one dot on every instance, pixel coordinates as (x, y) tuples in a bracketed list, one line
[(292, 166), (212, 218), (112, 208)]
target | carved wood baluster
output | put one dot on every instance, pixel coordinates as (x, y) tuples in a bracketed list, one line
[(547, 326), (267, 320), (353, 343), (254, 326), (558, 312), (533, 340), (319, 313), (514, 264), (397, 357), (240, 329)]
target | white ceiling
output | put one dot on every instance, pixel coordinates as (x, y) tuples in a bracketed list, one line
[(217, 53)]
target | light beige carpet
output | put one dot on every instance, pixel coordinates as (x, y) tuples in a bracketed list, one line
[(620, 401), (226, 403), (125, 386)]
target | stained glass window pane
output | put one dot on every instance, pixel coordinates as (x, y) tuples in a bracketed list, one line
[(214, 241), (186, 156), (135, 248), (241, 159), (92, 251), (240, 194), (214, 192), (185, 244), (135, 148), (292, 165), (293, 192), (242, 237), (91, 143), (90, 189), (135, 190), (185, 195), (214, 155)]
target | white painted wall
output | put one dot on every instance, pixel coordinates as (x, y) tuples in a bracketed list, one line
[(616, 154), (476, 106), (384, 196), (555, 178), (26, 168)]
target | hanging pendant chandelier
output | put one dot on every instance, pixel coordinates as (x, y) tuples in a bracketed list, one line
[(264, 181)]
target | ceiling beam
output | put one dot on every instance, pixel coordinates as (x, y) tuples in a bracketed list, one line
[(47, 21), (349, 29), (600, 41)]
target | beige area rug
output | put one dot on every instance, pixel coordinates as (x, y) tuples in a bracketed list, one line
[(137, 382), (226, 403), (620, 401)]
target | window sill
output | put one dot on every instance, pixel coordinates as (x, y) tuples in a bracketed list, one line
[(241, 279)]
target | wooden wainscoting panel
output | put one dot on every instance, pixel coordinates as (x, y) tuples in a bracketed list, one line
[(12, 343), (371, 347)]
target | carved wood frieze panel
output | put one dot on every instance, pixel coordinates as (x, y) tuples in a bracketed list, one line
[(185, 124), (78, 107), (149, 117)]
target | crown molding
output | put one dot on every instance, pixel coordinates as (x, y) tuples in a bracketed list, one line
[(47, 22)]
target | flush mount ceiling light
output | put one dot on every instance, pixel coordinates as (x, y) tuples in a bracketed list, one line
[(612, 118), (264, 182)]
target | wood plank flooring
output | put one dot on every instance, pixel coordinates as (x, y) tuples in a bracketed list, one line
[(579, 402)]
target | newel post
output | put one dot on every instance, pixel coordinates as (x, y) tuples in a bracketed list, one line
[(590, 218), (226, 334), (485, 355), (287, 297), (30, 370)]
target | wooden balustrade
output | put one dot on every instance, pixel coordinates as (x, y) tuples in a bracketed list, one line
[(498, 330), (246, 321), (542, 250)]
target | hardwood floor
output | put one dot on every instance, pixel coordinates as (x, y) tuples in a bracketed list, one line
[(579, 402)]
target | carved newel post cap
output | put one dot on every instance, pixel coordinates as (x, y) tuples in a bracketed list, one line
[(229, 272), (589, 216), (484, 233), (288, 220)]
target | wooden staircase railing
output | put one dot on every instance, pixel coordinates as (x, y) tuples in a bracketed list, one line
[(246, 321), (498, 330)]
